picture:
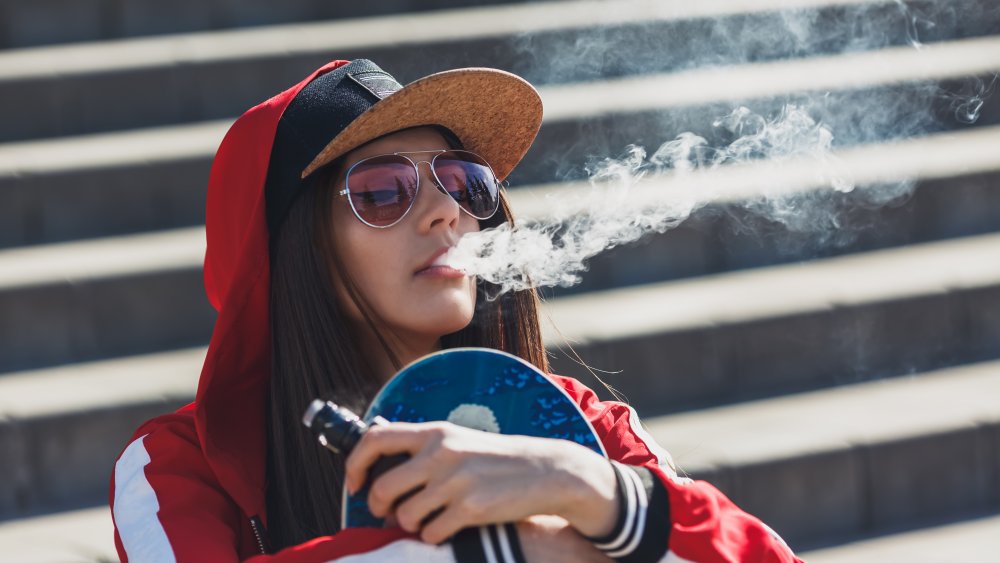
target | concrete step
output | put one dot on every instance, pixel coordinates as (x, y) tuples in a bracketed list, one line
[(107, 184), (959, 207), (25, 24), (855, 460), (818, 467), (60, 189), (62, 302), (86, 536), (81, 416), (768, 331), (965, 541), (106, 86), (102, 298), (131, 295), (862, 98), (77, 536)]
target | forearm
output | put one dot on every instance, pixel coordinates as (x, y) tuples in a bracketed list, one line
[(642, 526)]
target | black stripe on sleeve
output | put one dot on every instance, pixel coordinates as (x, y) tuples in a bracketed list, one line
[(642, 530), (492, 543), (625, 501), (654, 540), (468, 547), (504, 539), (515, 543), (635, 525)]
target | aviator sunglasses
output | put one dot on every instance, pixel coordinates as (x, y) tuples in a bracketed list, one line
[(382, 188)]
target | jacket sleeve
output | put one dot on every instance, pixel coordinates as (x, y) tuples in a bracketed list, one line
[(167, 507), (693, 518)]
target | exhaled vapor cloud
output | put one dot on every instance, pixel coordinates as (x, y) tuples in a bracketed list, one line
[(642, 193)]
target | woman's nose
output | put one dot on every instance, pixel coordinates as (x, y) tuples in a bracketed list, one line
[(434, 205)]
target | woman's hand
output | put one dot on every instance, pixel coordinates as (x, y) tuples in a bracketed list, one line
[(552, 539), (480, 478)]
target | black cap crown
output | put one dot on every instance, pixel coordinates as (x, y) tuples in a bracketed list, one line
[(317, 114)]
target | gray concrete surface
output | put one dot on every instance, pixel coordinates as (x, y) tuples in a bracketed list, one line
[(80, 417), (814, 466), (851, 460), (737, 356), (77, 536), (107, 86), (64, 187), (767, 328), (31, 23), (86, 536), (968, 541), (826, 322)]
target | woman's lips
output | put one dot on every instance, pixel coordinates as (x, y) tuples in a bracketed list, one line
[(441, 272), (439, 267)]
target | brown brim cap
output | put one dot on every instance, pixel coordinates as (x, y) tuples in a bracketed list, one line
[(494, 113)]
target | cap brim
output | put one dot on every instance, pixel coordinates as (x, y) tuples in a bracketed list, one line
[(496, 114)]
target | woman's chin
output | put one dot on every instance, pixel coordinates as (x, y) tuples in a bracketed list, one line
[(446, 318), (433, 313)]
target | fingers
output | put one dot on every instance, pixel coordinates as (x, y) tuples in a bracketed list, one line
[(469, 510), (390, 487), (383, 440), (455, 477), (420, 509)]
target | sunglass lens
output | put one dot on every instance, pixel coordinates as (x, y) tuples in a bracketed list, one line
[(470, 181), (382, 189)]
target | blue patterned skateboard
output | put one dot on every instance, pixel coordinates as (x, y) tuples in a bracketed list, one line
[(477, 388)]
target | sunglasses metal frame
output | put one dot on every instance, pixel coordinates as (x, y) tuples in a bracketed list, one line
[(416, 168)]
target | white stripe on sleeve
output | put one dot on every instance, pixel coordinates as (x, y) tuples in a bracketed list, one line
[(640, 516), (484, 537), (403, 551), (631, 506), (508, 553), (135, 508), (672, 557)]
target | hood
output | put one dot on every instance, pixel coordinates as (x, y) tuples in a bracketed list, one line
[(230, 405)]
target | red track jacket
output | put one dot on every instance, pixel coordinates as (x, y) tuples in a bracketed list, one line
[(187, 485)]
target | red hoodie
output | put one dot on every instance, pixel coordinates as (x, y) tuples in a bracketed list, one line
[(189, 486)]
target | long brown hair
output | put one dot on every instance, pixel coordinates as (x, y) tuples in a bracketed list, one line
[(315, 353)]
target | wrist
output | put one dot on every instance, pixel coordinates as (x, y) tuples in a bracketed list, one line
[(642, 530), (591, 494)]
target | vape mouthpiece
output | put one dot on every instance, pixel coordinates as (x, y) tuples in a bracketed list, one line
[(314, 408), (335, 427)]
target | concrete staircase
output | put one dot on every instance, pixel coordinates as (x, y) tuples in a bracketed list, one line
[(843, 383)]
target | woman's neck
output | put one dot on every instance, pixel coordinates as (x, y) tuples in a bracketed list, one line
[(406, 350)]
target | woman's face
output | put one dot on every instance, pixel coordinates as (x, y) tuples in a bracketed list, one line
[(389, 266)]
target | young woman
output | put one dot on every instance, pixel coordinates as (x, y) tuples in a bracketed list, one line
[(329, 209)]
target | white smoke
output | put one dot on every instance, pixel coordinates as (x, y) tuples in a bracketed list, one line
[(798, 181), (639, 194)]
